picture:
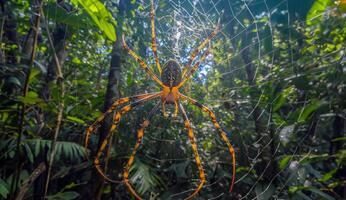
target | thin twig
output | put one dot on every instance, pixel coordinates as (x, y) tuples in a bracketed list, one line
[(60, 84)]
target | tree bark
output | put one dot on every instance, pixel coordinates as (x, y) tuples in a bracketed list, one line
[(112, 94)]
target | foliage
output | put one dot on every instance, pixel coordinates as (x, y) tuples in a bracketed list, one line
[(293, 149)]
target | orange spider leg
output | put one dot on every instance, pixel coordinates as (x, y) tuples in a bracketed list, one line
[(221, 131), (194, 68), (153, 36), (194, 148), (165, 114), (114, 105), (140, 134), (142, 63), (200, 47), (117, 118), (176, 109)]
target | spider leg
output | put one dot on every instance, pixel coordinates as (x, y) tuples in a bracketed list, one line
[(176, 109), (201, 46), (117, 118), (115, 104), (140, 134), (194, 68), (221, 131), (194, 148), (164, 109), (153, 36), (141, 63)]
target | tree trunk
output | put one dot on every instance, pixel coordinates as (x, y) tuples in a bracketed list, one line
[(112, 94)]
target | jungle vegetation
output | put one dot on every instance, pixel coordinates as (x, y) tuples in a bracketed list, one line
[(275, 78)]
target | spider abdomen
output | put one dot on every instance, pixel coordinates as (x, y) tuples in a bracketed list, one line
[(171, 74)]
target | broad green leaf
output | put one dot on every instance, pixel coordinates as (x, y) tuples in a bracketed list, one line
[(316, 11), (144, 177), (100, 15), (68, 150), (73, 19)]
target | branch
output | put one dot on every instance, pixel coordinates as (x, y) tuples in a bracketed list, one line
[(26, 185)]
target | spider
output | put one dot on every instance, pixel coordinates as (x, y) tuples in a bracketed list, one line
[(172, 79)]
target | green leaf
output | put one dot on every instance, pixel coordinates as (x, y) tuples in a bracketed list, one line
[(31, 98), (284, 162), (303, 196), (29, 153), (307, 111), (302, 114), (34, 72), (264, 191), (278, 102), (316, 11), (68, 150), (180, 169), (100, 15), (13, 80), (144, 177), (75, 120), (328, 176), (278, 120), (320, 193), (73, 19), (4, 189), (63, 196)]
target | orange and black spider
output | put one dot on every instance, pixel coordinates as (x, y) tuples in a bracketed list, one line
[(172, 78)]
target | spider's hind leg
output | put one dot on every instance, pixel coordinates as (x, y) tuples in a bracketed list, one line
[(140, 134), (222, 133), (116, 121), (195, 152), (92, 128)]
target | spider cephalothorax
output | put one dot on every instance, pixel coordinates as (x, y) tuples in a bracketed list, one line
[(172, 78)]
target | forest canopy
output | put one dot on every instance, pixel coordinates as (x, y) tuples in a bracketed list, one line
[(250, 92)]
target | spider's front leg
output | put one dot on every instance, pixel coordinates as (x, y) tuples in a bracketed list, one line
[(153, 36), (222, 133), (117, 118), (195, 152), (140, 134), (142, 64), (200, 47)]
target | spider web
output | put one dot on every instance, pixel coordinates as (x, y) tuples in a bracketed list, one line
[(180, 26), (181, 29)]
